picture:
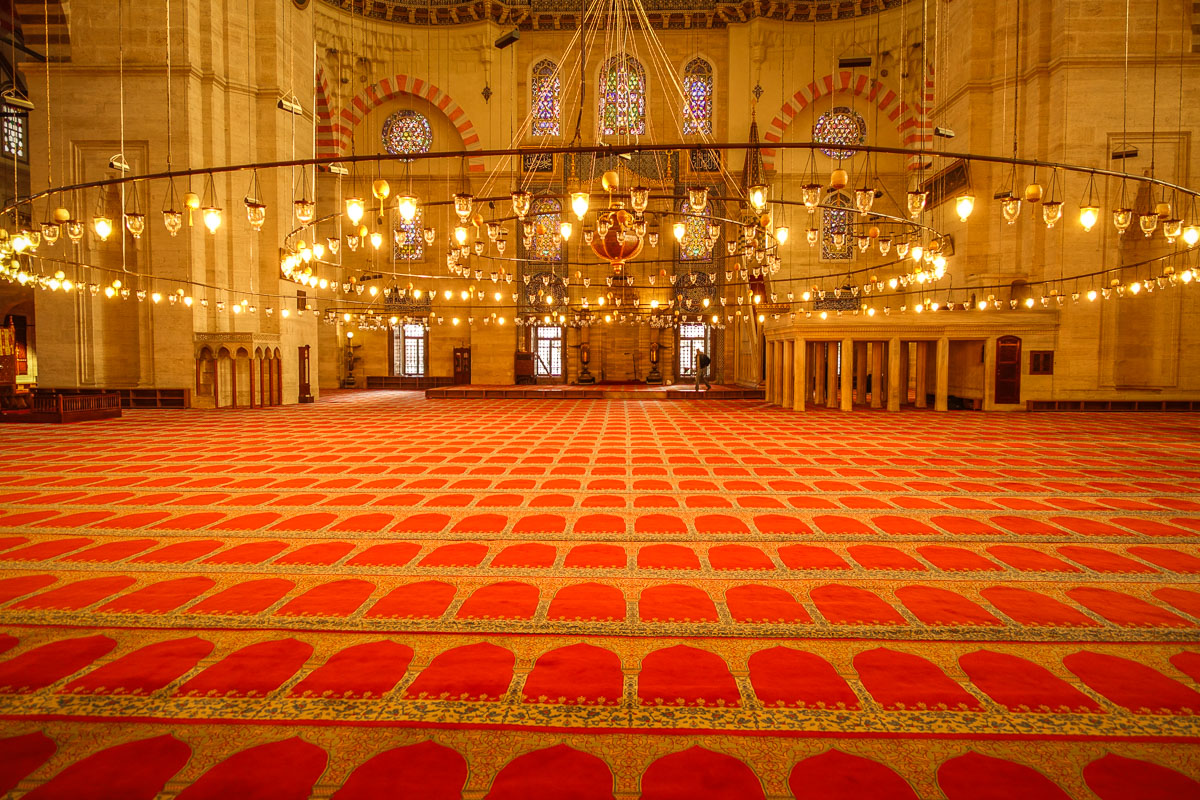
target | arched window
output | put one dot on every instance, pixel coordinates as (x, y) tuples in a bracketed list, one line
[(544, 89), (693, 246), (839, 126), (622, 96), (547, 216), (835, 228), (413, 246), (407, 131), (698, 89)]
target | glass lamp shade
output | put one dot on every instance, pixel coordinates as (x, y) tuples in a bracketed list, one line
[(135, 224), (103, 227), (813, 235), (463, 203), (50, 232), (902, 249), (355, 210), (212, 218), (256, 215), (407, 206), (305, 210), (579, 204), (916, 203), (1191, 235), (758, 197), (172, 221), (885, 245), (430, 234), (1122, 219), (1051, 212), (639, 198), (697, 199), (1147, 222), (520, 203), (863, 200), (964, 205), (1172, 228), (811, 195), (1010, 207), (1088, 216)]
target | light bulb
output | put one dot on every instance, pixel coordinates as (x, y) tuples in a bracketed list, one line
[(781, 234), (460, 235), (376, 239), (103, 227), (917, 252), (1191, 235), (579, 204), (564, 230), (1088, 216), (758, 197), (156, 297), (355, 210), (679, 229), (1091, 295), (407, 206), (212, 219), (964, 205)]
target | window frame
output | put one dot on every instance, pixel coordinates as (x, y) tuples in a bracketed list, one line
[(535, 339), (399, 350), (1041, 362)]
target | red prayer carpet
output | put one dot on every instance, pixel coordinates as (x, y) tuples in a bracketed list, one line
[(387, 596)]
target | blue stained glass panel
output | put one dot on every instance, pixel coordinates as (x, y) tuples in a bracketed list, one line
[(698, 93), (413, 248), (545, 89)]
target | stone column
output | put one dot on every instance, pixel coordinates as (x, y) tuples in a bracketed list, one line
[(831, 375), (847, 399), (922, 366), (905, 352), (819, 365), (788, 378), (989, 374), (894, 380), (777, 378), (876, 374), (942, 377), (769, 388), (860, 373), (799, 375)]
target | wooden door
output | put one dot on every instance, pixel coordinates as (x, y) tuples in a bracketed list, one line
[(1008, 370), (462, 365)]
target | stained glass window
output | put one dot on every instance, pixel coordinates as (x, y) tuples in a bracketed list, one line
[(835, 227), (692, 247), (839, 126), (698, 89), (547, 216), (622, 96), (544, 90), (413, 248), (407, 131)]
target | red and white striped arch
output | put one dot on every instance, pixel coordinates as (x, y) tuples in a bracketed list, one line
[(913, 124), (334, 132)]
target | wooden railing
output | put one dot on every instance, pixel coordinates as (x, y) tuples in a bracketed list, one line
[(54, 403)]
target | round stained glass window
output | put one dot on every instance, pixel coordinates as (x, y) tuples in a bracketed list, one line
[(839, 126), (407, 131)]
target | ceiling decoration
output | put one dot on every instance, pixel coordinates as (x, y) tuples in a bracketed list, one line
[(564, 14)]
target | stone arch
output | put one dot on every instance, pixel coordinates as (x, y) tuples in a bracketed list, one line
[(336, 137), (912, 123)]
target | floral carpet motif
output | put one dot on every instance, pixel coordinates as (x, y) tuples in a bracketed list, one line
[(600, 599)]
